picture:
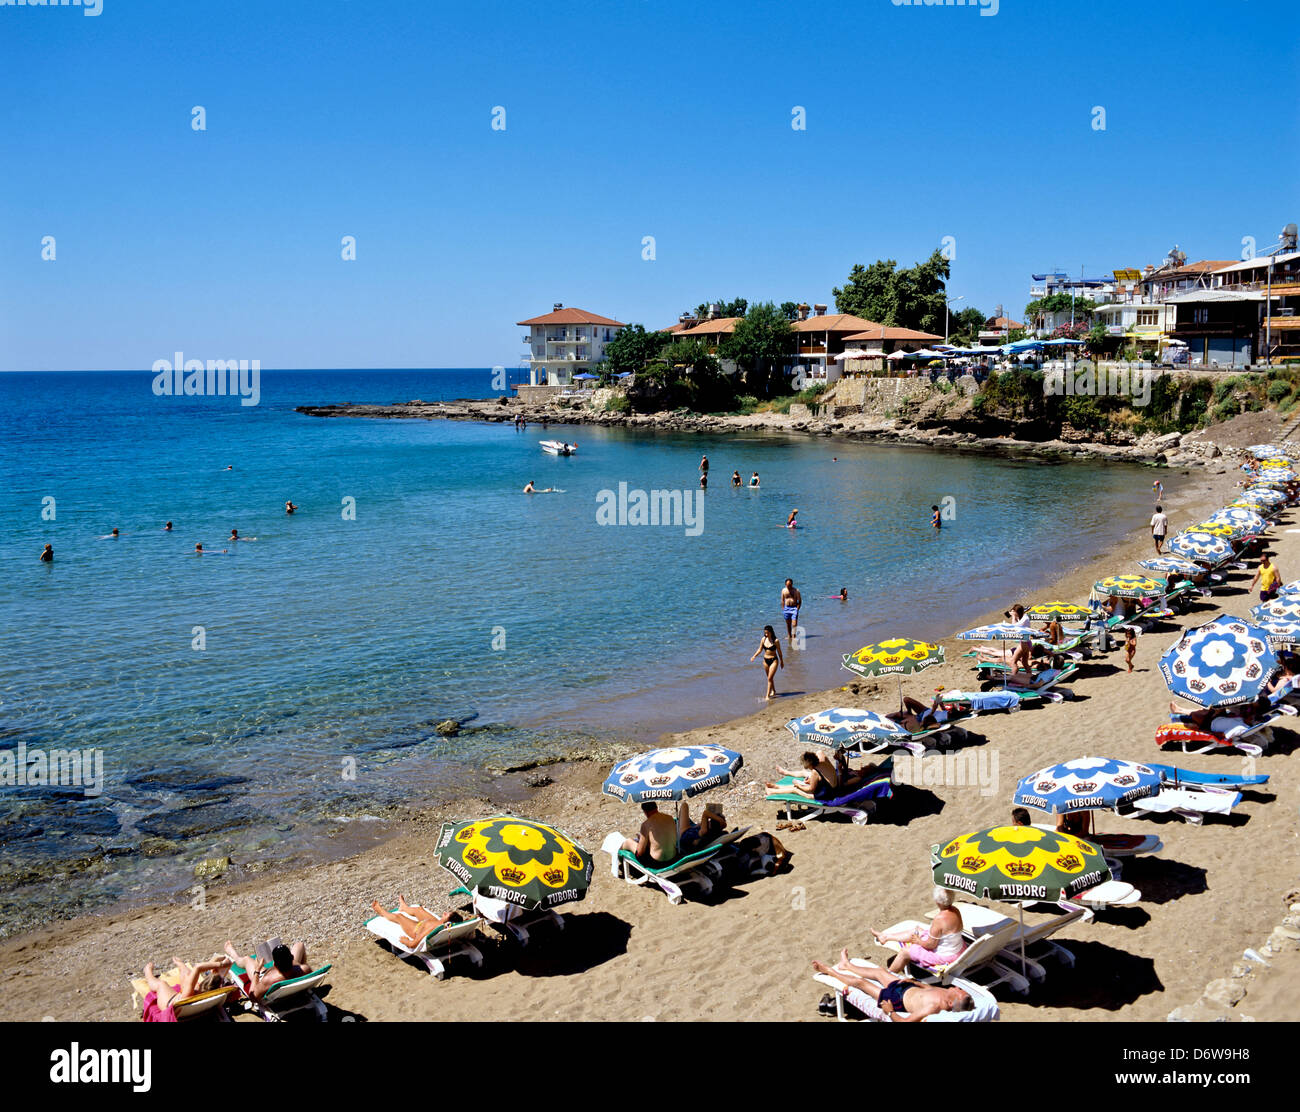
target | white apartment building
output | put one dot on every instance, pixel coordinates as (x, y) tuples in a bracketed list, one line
[(564, 343)]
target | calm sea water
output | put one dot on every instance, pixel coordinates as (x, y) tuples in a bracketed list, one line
[(260, 702)]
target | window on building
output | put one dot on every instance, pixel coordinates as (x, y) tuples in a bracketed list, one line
[(1200, 316)]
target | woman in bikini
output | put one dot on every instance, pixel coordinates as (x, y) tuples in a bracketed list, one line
[(770, 647), (417, 922), (818, 780)]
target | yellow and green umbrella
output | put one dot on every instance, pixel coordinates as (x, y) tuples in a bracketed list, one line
[(1058, 611), (1019, 864), (1129, 586), (522, 862), (899, 656)]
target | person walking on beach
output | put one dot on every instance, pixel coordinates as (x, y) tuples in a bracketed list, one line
[(770, 647), (1268, 577), (791, 601), (1159, 527), (47, 556), (1130, 645)]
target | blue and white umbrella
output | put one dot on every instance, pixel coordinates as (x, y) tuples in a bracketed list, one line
[(1266, 496), (1221, 663), (1087, 784), (844, 727), (1266, 451), (1285, 608), (1172, 565), (1292, 588), (1238, 516), (998, 631), (672, 773), (1282, 633), (1206, 548)]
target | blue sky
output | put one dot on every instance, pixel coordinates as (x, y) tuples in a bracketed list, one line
[(623, 120)]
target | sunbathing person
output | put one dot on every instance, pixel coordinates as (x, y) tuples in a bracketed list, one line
[(917, 716), (693, 836), (286, 964), (1210, 719), (1076, 823), (417, 922), (850, 780), (817, 781), (938, 946), (657, 842), (897, 994), (161, 996)]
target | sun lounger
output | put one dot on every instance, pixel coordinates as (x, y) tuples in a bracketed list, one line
[(210, 1002), (1045, 683), (980, 958), (1036, 938), (285, 998), (435, 950), (692, 868), (1218, 779), (1178, 733), (1189, 804), (858, 804), (509, 920), (984, 1010)]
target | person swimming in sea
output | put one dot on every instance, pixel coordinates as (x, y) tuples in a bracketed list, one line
[(844, 594), (47, 556), (735, 478), (792, 522), (167, 528), (532, 489), (934, 517), (753, 479), (289, 507)]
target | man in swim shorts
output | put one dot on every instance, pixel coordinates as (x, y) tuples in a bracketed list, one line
[(657, 842), (791, 600), (895, 994)]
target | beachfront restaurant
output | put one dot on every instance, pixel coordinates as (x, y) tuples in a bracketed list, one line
[(1219, 327)]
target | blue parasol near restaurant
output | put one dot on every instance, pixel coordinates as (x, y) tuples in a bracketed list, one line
[(674, 773)]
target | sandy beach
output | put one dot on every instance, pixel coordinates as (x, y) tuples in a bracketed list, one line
[(744, 953)]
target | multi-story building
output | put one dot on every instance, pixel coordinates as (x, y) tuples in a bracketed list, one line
[(565, 342)]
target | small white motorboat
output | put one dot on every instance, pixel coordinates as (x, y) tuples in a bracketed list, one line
[(558, 447)]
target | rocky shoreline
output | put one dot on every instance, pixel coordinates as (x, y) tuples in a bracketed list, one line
[(1193, 449)]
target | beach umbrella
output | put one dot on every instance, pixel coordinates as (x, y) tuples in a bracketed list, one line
[(1281, 633), (998, 631), (1272, 481), (1196, 545), (1129, 586), (1255, 506), (897, 656), (1265, 451), (1173, 565), (521, 862), (1292, 588), (1058, 611), (674, 773), (1286, 474), (1018, 864), (1277, 462), (1086, 784), (1285, 608), (1221, 663), (1237, 516), (1263, 494), (1215, 528), (844, 727)]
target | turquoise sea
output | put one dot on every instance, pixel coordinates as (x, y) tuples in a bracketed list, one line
[(271, 701)]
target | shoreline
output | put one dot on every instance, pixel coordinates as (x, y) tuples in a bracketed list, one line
[(325, 901)]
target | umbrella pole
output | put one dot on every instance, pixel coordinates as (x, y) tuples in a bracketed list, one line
[(1023, 971)]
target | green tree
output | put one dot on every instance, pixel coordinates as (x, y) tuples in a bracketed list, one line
[(964, 327), (907, 298), (734, 308), (789, 309), (630, 350), (1059, 303), (761, 344)]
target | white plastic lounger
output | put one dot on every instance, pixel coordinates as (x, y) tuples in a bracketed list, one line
[(287, 997), (511, 919), (451, 940), (985, 1009), (1045, 682), (1036, 938), (692, 868), (980, 957), (1191, 805)]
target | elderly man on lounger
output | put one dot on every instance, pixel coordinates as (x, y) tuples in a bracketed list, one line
[(661, 840), (942, 944), (897, 994), (417, 922)]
